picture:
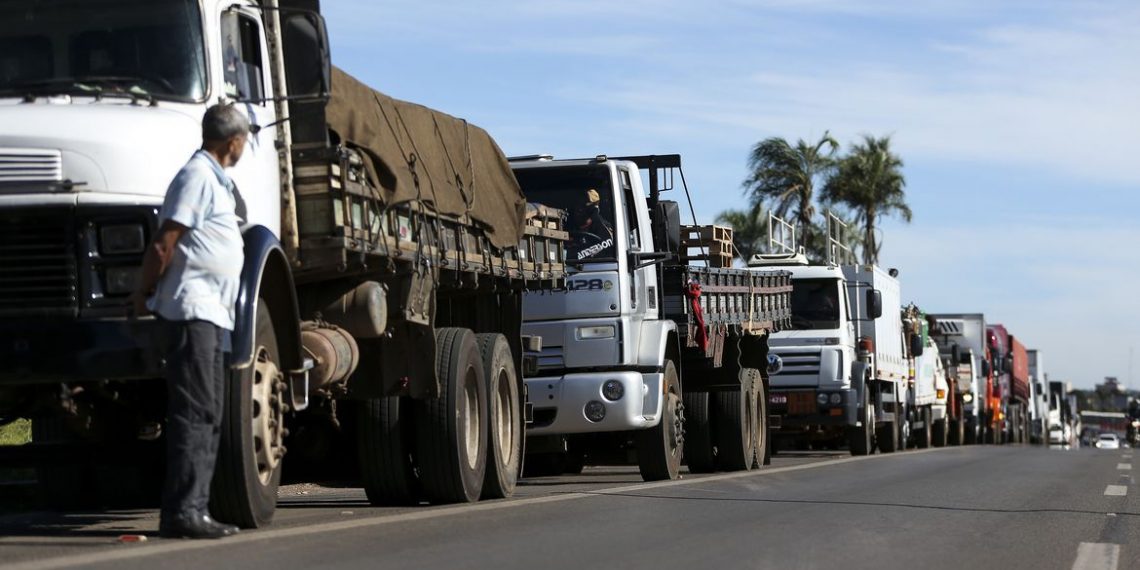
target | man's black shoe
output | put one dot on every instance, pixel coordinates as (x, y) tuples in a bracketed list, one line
[(200, 527), (229, 529)]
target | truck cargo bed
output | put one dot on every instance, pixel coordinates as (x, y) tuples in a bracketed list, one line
[(735, 302)]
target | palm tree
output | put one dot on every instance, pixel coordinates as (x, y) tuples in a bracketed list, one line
[(869, 181), (786, 175), (749, 231)]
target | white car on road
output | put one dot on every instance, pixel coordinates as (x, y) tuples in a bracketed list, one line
[(1107, 441)]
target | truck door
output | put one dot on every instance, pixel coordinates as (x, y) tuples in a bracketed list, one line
[(643, 281), (246, 81)]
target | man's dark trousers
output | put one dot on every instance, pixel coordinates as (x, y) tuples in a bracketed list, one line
[(195, 368)]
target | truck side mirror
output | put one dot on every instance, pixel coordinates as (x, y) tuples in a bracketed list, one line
[(308, 69), (667, 226), (916, 346), (985, 368), (955, 355), (874, 303), (1007, 364)]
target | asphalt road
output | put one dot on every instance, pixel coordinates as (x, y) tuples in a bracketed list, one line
[(970, 507)]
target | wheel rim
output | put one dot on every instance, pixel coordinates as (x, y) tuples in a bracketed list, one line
[(677, 426), (504, 414), (471, 418), (749, 418), (267, 415)]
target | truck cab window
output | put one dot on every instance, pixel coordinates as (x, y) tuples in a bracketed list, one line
[(587, 197), (815, 304), (241, 57)]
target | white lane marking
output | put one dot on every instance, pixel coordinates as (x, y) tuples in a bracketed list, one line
[(1126, 456), (1124, 466), (1097, 556), (164, 547), (1116, 490)]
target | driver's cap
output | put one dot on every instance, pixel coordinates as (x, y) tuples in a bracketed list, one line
[(592, 197)]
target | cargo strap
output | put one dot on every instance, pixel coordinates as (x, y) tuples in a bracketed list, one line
[(694, 293)]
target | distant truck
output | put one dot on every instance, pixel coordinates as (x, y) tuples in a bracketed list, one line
[(1012, 396), (964, 334), (844, 373), (387, 251), (646, 355), (934, 417), (1040, 408)]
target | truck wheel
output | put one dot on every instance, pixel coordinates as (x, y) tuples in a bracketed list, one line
[(660, 448), (248, 472), (957, 433), (923, 436), (384, 440), (860, 439), (971, 435), (451, 435), (763, 454), (940, 434), (700, 455), (504, 442), (737, 426)]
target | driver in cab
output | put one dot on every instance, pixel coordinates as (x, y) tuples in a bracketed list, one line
[(591, 235)]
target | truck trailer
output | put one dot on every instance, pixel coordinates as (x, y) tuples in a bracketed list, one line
[(1011, 394), (387, 251), (648, 355), (1040, 409)]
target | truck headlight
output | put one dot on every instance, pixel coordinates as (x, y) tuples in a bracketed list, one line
[(120, 280), (121, 238), (613, 390), (836, 399), (603, 331), (967, 397), (822, 399)]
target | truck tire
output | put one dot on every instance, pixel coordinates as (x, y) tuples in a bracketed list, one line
[(971, 435), (250, 453), (736, 424), (451, 430), (660, 448), (763, 454), (923, 437), (940, 433), (860, 439), (504, 438), (957, 432), (700, 454), (384, 439)]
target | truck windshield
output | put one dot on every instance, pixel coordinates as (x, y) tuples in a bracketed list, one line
[(815, 304), (585, 193), (142, 48)]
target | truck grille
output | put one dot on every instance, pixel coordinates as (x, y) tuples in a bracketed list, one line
[(30, 165), (37, 264), (800, 363)]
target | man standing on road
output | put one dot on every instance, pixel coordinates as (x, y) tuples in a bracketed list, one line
[(190, 281)]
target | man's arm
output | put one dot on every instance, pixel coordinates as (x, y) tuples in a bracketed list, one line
[(155, 261)]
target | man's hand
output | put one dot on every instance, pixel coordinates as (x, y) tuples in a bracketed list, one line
[(138, 304)]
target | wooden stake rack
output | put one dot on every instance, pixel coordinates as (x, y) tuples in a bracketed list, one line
[(711, 244)]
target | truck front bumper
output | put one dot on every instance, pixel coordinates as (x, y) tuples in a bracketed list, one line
[(63, 350), (798, 407), (560, 402)]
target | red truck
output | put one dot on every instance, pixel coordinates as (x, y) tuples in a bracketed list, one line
[(1010, 397)]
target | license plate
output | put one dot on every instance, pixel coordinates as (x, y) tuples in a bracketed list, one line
[(778, 399)]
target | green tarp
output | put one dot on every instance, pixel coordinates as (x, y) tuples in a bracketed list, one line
[(413, 152)]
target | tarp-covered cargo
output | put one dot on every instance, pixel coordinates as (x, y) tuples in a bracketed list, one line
[(413, 152)]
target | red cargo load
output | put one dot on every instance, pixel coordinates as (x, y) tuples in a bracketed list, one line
[(1019, 378)]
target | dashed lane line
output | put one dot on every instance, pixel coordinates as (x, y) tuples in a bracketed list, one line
[(1097, 556), (1124, 466), (166, 547), (1116, 490)]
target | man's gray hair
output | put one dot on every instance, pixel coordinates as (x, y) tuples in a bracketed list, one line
[(223, 121)]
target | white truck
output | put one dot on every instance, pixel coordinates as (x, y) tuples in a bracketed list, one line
[(387, 250), (645, 358), (964, 335), (844, 373), (1040, 409)]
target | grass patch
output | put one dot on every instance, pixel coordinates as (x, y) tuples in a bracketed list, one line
[(18, 432)]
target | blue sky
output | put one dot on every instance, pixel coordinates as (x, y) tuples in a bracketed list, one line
[(1017, 122)]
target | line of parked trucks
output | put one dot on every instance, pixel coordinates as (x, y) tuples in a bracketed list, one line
[(417, 312)]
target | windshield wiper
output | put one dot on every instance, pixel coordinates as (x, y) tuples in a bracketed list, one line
[(92, 85)]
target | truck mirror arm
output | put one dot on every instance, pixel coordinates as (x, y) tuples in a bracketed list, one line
[(642, 260)]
